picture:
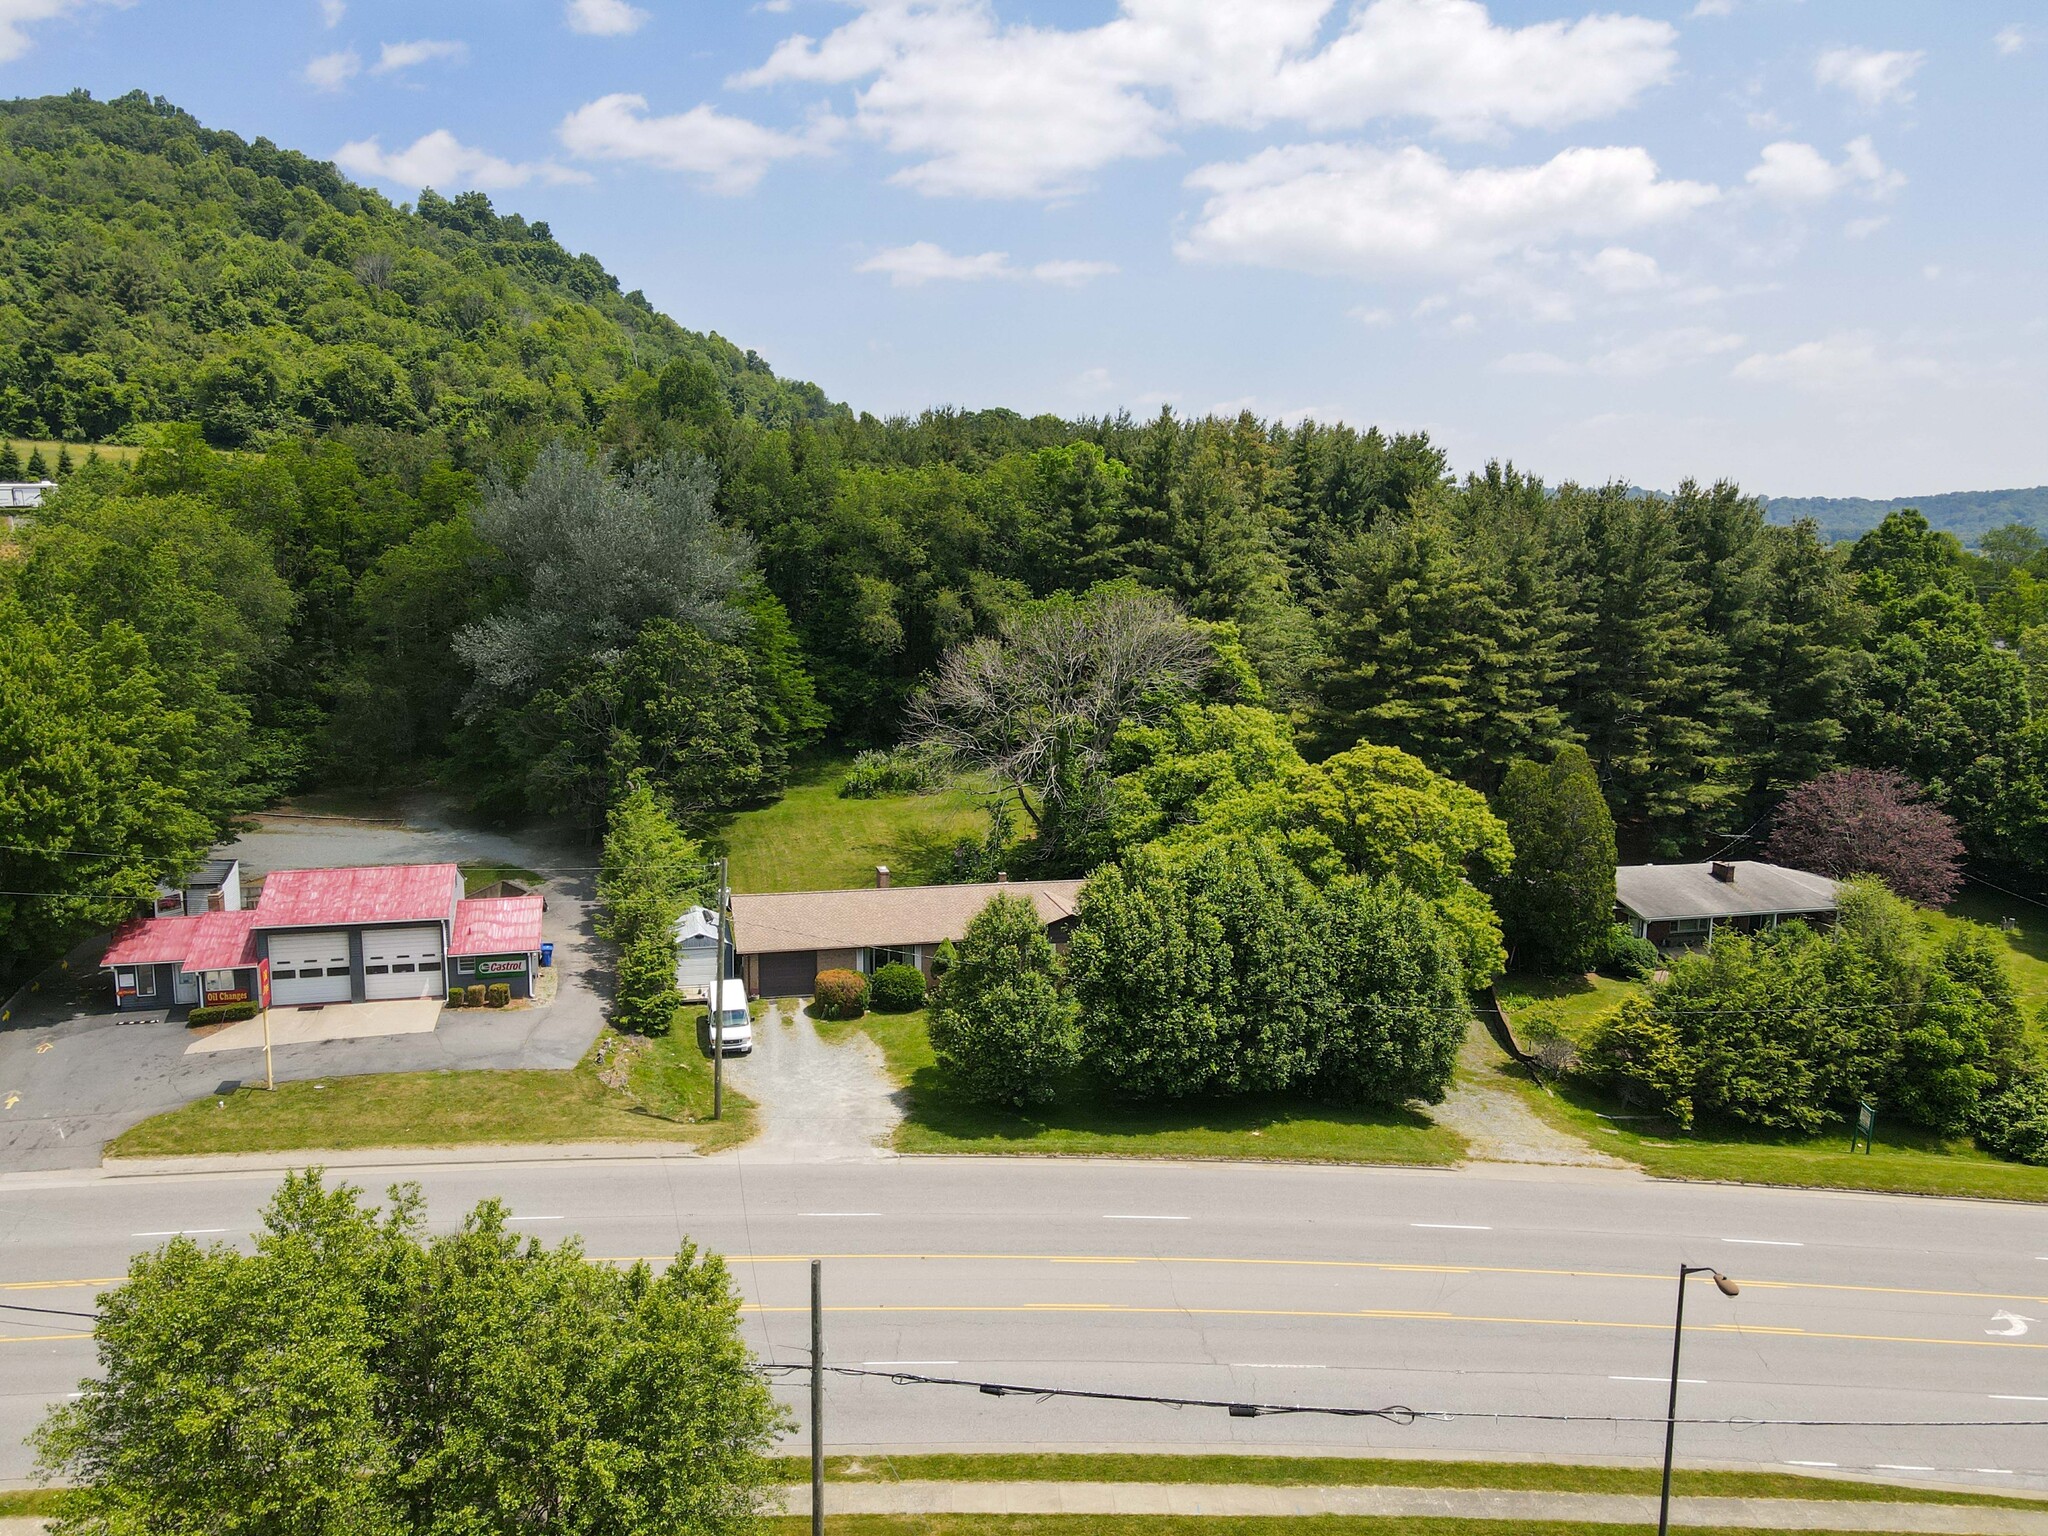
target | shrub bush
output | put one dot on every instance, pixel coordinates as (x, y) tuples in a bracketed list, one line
[(897, 989), (839, 995), (1628, 957), (455, 998), (499, 995), (221, 1013), (2014, 1123), (1001, 1028), (644, 999), (905, 771), (473, 995)]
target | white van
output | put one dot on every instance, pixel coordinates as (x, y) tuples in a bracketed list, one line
[(739, 1022)]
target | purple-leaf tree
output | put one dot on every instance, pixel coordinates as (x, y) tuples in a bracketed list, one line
[(1871, 821)]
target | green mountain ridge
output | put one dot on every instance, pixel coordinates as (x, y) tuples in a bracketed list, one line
[(1966, 514), (152, 270)]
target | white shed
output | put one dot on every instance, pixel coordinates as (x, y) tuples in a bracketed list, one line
[(696, 952)]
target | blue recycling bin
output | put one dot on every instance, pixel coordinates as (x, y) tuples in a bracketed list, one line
[(547, 953)]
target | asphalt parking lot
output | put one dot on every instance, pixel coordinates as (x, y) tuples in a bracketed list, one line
[(74, 1074)]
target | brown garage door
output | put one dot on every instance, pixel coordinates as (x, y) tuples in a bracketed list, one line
[(789, 975)]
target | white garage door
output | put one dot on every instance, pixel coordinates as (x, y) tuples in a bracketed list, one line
[(402, 962), (309, 968)]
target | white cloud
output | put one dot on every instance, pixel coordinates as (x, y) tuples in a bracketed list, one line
[(1662, 351), (1345, 209), (1366, 315), (1873, 78), (1713, 8), (604, 18), (2012, 39), (426, 50), (910, 266), (331, 12), (1863, 229), (1092, 381), (994, 110), (331, 71), (1621, 270), (16, 14), (1849, 362), (1790, 172), (1539, 363), (730, 153), (443, 162)]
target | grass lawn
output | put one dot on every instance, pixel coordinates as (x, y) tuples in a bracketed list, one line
[(667, 1098), (32, 1501), (1221, 1525), (1369, 1472), (476, 876), (117, 453), (811, 840), (939, 1120), (1569, 1006), (1905, 1161), (2026, 947)]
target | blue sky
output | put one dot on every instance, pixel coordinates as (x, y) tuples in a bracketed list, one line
[(1798, 243)]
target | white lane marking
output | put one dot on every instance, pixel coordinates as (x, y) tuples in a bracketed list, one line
[(2009, 1397), (1762, 1242), (909, 1362), (1813, 1463), (1894, 1466), (1144, 1218), (807, 1215), (1665, 1381), (182, 1232), (1257, 1365), (1449, 1226), (2015, 1325), (533, 1218), (1994, 1471)]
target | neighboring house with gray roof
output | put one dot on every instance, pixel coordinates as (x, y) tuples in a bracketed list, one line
[(1673, 905), (784, 938)]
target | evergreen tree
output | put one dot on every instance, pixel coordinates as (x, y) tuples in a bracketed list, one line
[(1557, 902), (63, 460), (1801, 658), (37, 468), (1001, 1026), (10, 461)]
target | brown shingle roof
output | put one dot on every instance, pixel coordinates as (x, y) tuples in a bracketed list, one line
[(781, 921), (1660, 892)]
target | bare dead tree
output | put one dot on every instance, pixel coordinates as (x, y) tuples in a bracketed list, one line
[(1036, 706)]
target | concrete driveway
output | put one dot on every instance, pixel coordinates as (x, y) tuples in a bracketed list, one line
[(74, 1074), (317, 1026)]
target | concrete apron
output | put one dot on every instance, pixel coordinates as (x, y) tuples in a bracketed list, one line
[(1234, 1499), (331, 1021)]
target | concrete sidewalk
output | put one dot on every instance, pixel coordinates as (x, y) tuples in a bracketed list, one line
[(913, 1498)]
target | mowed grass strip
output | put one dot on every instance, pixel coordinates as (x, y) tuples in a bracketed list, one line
[(1230, 1525), (1903, 1161), (812, 840), (1371, 1472), (667, 1098), (1084, 1123)]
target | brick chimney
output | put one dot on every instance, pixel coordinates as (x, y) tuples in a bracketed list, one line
[(881, 877), (1723, 871)]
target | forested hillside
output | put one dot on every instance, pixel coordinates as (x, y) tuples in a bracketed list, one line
[(153, 270), (1966, 514), (423, 498)]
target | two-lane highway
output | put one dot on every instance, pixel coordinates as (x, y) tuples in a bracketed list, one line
[(1476, 1296)]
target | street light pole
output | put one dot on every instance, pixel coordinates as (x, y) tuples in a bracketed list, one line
[(718, 1007), (1728, 1288)]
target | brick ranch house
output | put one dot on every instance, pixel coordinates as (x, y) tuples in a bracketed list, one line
[(784, 938), (1676, 905)]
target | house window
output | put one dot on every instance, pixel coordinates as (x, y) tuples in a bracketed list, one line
[(889, 954), (1692, 925), (464, 966), (145, 981)]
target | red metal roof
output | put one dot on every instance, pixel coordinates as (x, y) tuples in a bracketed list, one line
[(376, 893), (496, 925), (151, 941), (222, 941), (212, 941)]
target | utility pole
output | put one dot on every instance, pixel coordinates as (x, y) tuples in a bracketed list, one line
[(817, 1398), (718, 1007)]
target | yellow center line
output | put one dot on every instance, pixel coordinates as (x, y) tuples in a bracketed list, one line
[(51, 1285), (39, 1338), (1663, 1279), (1390, 1315)]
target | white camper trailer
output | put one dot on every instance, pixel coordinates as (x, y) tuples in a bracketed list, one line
[(696, 953)]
